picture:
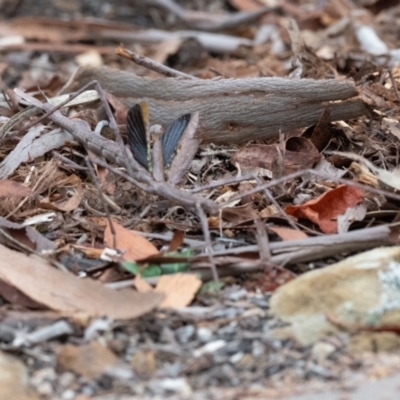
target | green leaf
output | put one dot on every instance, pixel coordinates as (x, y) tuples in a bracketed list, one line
[(173, 268), (130, 266), (211, 287), (148, 272)]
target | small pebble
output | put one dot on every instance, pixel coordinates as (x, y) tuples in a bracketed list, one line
[(322, 350), (178, 385), (66, 379), (237, 295), (209, 348), (204, 334), (236, 357), (69, 394), (258, 348), (185, 333)]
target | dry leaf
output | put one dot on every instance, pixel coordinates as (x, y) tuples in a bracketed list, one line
[(67, 293), (239, 215), (179, 289), (144, 363), (73, 183), (16, 297), (141, 285), (324, 209), (389, 178), (14, 189), (88, 251), (176, 241), (299, 153), (245, 5), (14, 379), (90, 360), (26, 235), (352, 214), (136, 247), (288, 233), (322, 132)]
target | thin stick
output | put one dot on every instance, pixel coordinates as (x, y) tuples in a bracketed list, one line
[(67, 161), (279, 208), (62, 104), (151, 64), (21, 245), (96, 183), (112, 152), (207, 239), (224, 182), (312, 172), (394, 84), (263, 242)]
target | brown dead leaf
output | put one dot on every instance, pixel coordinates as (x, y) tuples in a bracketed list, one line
[(118, 108), (362, 175), (288, 233), (90, 360), (356, 213), (299, 153), (272, 278), (14, 382), (245, 5), (166, 48), (324, 210), (322, 132), (176, 241), (13, 189), (179, 289), (214, 222), (239, 215), (388, 178), (144, 363), (136, 247), (14, 296), (141, 285), (26, 235), (89, 251), (312, 65), (106, 180), (269, 211), (69, 202), (66, 293)]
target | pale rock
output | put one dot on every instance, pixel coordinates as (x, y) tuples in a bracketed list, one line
[(14, 381), (321, 351), (360, 291)]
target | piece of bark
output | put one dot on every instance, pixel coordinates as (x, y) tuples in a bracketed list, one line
[(234, 110)]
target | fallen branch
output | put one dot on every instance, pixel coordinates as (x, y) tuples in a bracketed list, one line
[(234, 110), (230, 262), (113, 152)]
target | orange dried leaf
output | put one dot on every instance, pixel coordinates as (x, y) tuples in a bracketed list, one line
[(136, 247), (141, 285), (67, 204), (324, 209), (67, 293), (10, 188), (245, 5), (179, 289), (288, 233)]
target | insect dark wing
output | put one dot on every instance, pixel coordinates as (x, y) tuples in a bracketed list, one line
[(171, 137), (137, 135)]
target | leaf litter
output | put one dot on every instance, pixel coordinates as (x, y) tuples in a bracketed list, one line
[(164, 313)]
